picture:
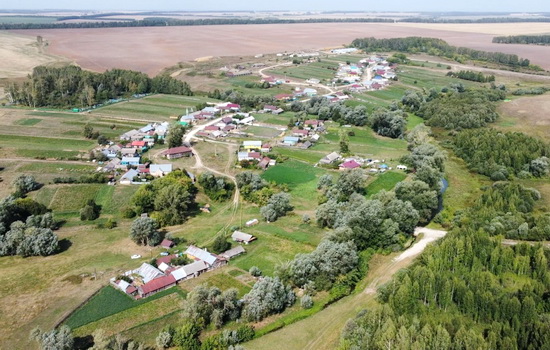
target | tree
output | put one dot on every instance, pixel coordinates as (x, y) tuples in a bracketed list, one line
[(102, 140), (267, 296), (422, 198), (220, 244), (255, 271), (25, 184), (56, 339), (144, 231), (217, 188), (90, 211), (344, 142), (88, 131), (175, 135), (277, 206)]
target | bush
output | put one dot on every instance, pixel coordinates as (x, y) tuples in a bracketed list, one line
[(306, 302), (255, 271), (128, 213)]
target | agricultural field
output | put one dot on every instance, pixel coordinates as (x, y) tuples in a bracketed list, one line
[(529, 114), (324, 70)]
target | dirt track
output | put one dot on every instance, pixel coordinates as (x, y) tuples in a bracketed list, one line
[(151, 49)]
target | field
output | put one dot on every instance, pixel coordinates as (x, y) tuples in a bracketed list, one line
[(187, 43), (530, 115), (386, 181)]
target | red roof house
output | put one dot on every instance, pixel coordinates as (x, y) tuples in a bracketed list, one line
[(166, 243), (178, 152), (350, 164), (212, 128), (156, 285), (138, 144)]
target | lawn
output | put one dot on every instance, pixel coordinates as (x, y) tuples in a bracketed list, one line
[(386, 181), (320, 70), (263, 131), (365, 142), (291, 172), (311, 155), (219, 278), (413, 120), (73, 197), (268, 118)]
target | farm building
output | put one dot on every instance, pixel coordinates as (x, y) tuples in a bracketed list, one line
[(350, 164), (242, 237), (212, 260), (233, 252), (251, 222), (166, 243), (156, 285), (330, 158), (290, 140), (178, 152)]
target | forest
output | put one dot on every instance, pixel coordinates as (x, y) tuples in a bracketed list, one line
[(71, 86), (523, 39), (500, 155), (438, 47), (467, 292), (472, 76)]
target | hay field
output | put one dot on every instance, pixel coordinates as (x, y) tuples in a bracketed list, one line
[(20, 53), (530, 114), (150, 49)]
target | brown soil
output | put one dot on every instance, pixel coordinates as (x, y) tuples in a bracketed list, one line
[(150, 49)]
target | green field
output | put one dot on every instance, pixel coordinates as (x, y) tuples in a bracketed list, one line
[(386, 181), (291, 173), (413, 120), (311, 155), (367, 143), (281, 119), (263, 131), (392, 93), (28, 121), (320, 70)]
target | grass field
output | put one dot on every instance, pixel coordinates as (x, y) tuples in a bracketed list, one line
[(386, 181), (29, 121), (324, 70), (413, 120), (263, 131), (143, 311), (108, 301)]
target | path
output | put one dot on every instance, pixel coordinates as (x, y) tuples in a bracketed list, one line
[(323, 329)]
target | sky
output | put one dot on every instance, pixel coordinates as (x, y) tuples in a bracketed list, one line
[(290, 5)]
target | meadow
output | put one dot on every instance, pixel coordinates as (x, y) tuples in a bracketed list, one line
[(385, 181)]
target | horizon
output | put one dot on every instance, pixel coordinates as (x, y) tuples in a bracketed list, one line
[(403, 6)]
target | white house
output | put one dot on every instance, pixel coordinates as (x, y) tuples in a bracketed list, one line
[(159, 170)]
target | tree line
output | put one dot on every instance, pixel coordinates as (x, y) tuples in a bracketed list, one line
[(480, 20), (438, 47), (71, 86), (523, 39), (472, 76), (172, 22)]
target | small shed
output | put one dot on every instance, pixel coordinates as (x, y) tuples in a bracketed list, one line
[(233, 252), (242, 237), (166, 243)]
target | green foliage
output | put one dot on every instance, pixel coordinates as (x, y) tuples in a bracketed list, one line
[(24, 184), (169, 199), (459, 109), (220, 245), (268, 296), (175, 135), (472, 76), (56, 339), (71, 86), (278, 205), (523, 39), (187, 336), (499, 155), (388, 123), (437, 47), (255, 271), (306, 302), (253, 188), (217, 188), (144, 231), (209, 304), (90, 211)]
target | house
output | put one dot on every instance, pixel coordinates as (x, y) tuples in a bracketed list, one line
[(227, 120), (242, 156), (251, 222), (310, 92), (212, 260), (166, 243), (350, 164), (266, 148), (165, 259), (159, 170), (112, 165), (401, 167), (250, 145), (190, 270), (233, 252), (254, 155), (147, 272), (128, 152), (211, 128), (300, 133), (178, 152), (128, 177), (290, 140), (129, 135), (242, 237), (272, 109), (313, 81), (305, 145), (330, 158), (130, 161), (138, 144), (156, 285), (314, 138)]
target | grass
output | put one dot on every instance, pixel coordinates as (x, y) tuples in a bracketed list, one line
[(74, 197), (263, 131), (167, 302), (28, 121), (309, 156), (320, 70), (38, 143), (291, 173), (280, 119), (367, 143), (148, 331), (219, 278), (107, 302), (43, 167), (386, 181), (413, 120)]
